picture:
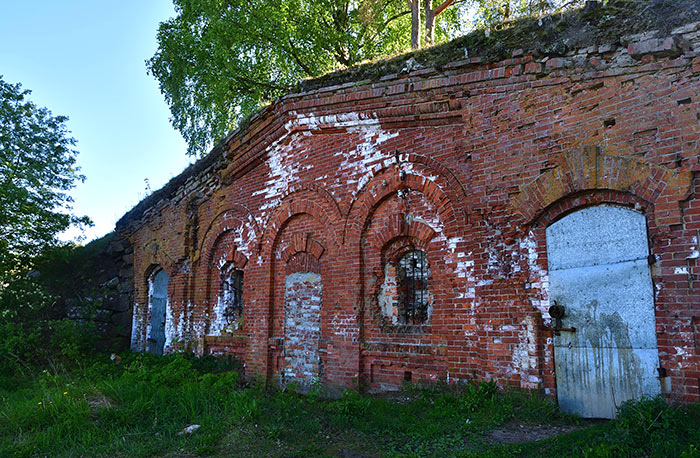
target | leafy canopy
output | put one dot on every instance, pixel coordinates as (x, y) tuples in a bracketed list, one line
[(37, 169), (492, 12), (219, 60)]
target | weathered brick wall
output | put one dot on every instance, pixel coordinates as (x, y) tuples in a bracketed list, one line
[(468, 163)]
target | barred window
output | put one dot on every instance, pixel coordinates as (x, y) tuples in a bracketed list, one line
[(232, 294), (413, 272)]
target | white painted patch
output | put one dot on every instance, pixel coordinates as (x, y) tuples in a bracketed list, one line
[(171, 326), (694, 253), (463, 267), (539, 279), (388, 292), (525, 354), (680, 271), (138, 341), (345, 326), (432, 221), (283, 172), (366, 159)]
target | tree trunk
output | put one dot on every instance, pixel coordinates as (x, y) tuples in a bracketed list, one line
[(429, 23), (415, 24)]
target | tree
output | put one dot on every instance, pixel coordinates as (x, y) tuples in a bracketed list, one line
[(430, 14), (218, 61), (492, 12), (37, 169)]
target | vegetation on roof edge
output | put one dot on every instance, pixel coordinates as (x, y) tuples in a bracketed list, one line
[(552, 35)]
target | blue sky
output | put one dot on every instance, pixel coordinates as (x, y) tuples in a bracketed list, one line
[(85, 59)]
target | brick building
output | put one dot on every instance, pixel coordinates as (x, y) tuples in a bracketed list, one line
[(408, 221)]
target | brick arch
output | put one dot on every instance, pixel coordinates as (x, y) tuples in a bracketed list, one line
[(303, 261), (232, 219), (303, 243), (316, 191), (399, 227), (304, 201), (236, 256), (213, 272), (395, 178), (301, 202), (572, 202), (155, 257), (457, 191), (592, 169)]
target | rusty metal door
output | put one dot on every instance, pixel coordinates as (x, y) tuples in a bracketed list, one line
[(599, 273), (158, 296)]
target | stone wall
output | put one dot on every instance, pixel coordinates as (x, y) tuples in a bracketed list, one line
[(467, 163), (95, 282)]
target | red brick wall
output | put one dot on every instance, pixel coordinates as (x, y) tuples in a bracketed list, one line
[(469, 164)]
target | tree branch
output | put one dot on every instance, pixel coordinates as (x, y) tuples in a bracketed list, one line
[(442, 7), (386, 23), (395, 17), (297, 59), (252, 82)]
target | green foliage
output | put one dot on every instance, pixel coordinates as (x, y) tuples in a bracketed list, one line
[(217, 62), (140, 407), (105, 409), (37, 169), (72, 339), (34, 330), (23, 322), (491, 13)]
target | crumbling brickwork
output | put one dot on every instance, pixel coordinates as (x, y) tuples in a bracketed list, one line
[(468, 163)]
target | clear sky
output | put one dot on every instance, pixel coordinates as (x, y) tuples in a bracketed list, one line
[(85, 59)]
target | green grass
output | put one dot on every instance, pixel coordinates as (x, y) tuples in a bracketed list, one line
[(139, 407)]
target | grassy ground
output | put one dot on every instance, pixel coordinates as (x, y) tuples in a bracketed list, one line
[(140, 407)]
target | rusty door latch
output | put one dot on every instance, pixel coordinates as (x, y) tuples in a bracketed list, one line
[(557, 312)]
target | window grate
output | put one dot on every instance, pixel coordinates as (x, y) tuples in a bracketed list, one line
[(232, 293), (413, 273)]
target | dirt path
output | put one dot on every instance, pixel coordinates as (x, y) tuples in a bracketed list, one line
[(515, 432)]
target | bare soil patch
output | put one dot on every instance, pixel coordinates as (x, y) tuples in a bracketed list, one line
[(516, 432)]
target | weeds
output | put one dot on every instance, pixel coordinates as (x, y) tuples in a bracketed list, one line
[(141, 407)]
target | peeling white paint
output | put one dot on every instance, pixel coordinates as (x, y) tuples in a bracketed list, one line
[(138, 341), (366, 159), (388, 292), (694, 253), (345, 326), (525, 354), (283, 172), (539, 278), (463, 267), (680, 271), (432, 221), (171, 325)]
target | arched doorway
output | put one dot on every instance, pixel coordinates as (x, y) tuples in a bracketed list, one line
[(599, 273), (158, 303)]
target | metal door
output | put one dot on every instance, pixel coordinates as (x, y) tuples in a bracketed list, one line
[(599, 273), (158, 296)]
